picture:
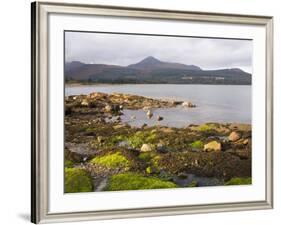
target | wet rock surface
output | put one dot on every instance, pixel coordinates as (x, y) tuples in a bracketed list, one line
[(98, 142)]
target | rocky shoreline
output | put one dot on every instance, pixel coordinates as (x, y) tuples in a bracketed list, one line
[(105, 154)]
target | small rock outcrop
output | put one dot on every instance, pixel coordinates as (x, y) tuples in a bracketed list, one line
[(188, 104)]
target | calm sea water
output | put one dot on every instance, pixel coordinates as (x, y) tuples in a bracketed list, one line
[(215, 103)]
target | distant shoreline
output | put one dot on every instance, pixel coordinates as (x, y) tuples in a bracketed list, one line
[(111, 84)]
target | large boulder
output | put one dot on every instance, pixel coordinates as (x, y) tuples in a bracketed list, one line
[(212, 146), (234, 136)]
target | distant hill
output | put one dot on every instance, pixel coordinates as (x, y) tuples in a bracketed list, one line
[(152, 70)]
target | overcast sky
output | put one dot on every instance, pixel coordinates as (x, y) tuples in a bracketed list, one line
[(120, 49)]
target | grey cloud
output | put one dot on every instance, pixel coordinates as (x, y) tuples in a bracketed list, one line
[(123, 50)]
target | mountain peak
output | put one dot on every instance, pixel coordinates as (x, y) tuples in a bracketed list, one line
[(150, 59), (151, 63)]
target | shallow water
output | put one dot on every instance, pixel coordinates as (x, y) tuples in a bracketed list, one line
[(215, 103), (200, 181)]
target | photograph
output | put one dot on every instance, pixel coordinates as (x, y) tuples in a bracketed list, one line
[(147, 111)]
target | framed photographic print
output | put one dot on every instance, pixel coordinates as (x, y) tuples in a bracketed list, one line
[(146, 112)]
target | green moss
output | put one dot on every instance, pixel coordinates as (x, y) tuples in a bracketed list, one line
[(117, 138), (151, 160), (68, 163), (155, 161), (114, 160), (141, 137), (148, 170), (197, 144), (77, 180), (154, 164), (193, 184), (205, 127), (130, 181), (239, 181), (90, 129), (145, 156)]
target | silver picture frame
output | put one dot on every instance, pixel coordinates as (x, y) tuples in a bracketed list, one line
[(39, 153)]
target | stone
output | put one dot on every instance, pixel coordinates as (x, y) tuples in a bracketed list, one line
[(100, 139), (246, 141), (212, 146), (108, 108), (144, 125), (118, 126), (84, 102), (177, 102), (161, 148), (159, 118), (188, 104), (146, 148), (234, 136), (149, 114), (167, 130)]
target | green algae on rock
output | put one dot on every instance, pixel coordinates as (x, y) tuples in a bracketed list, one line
[(193, 184), (131, 181), (239, 181), (77, 180), (68, 164), (197, 144), (142, 137), (113, 160), (98, 141)]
